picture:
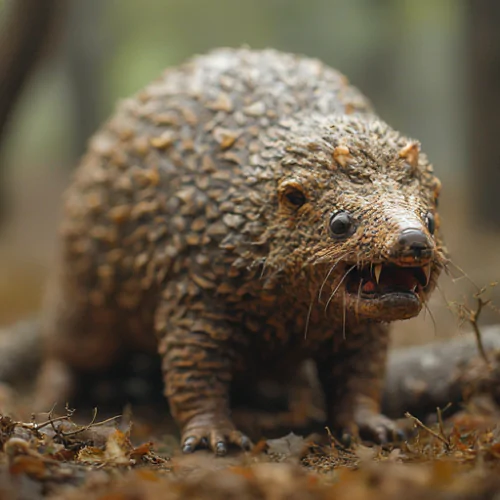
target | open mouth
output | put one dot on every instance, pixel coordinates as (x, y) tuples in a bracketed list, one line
[(379, 280)]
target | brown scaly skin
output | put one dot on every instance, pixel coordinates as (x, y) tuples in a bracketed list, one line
[(201, 213)]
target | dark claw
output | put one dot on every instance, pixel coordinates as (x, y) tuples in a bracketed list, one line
[(188, 446), (382, 437), (245, 443), (220, 449), (204, 442), (346, 439), (400, 435)]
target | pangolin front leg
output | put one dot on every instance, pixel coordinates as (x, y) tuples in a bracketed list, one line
[(352, 381), (198, 365)]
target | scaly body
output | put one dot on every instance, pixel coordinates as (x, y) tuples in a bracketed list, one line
[(244, 212)]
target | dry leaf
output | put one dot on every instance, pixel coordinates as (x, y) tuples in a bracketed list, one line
[(291, 446), (32, 466), (118, 448), (91, 454)]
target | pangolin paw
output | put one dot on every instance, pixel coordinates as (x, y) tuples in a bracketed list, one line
[(214, 434), (375, 427)]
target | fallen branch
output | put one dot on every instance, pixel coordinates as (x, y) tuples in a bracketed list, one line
[(421, 378)]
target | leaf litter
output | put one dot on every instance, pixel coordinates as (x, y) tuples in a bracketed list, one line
[(56, 458)]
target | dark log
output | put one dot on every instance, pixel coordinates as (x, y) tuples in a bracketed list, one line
[(421, 378), (85, 51), (21, 350)]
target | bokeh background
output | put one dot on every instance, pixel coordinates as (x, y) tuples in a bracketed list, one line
[(430, 67)]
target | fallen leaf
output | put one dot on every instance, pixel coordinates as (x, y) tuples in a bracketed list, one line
[(290, 446), (141, 450), (118, 448), (90, 454), (32, 466)]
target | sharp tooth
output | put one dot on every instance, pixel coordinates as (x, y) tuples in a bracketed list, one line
[(427, 271), (376, 271)]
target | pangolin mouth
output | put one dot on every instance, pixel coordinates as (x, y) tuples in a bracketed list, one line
[(381, 280)]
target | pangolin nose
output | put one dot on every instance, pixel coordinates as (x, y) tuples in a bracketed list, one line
[(414, 242)]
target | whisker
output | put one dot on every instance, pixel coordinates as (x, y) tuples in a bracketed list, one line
[(308, 316), (329, 274), (338, 286), (427, 308), (464, 274), (446, 301), (358, 299), (264, 264), (343, 318), (451, 274), (272, 274)]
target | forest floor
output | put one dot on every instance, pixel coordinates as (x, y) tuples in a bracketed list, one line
[(114, 459)]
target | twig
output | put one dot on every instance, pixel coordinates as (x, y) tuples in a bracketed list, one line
[(419, 423), (335, 442), (85, 428), (473, 319), (440, 420), (93, 423), (103, 422), (41, 425), (466, 313)]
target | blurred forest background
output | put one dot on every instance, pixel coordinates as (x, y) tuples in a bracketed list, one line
[(427, 65)]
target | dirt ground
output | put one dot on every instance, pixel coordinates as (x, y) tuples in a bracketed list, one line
[(112, 459)]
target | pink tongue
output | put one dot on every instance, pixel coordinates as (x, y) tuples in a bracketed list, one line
[(368, 287)]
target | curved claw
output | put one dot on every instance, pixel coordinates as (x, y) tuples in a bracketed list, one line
[(245, 444), (346, 439), (190, 444), (217, 438), (374, 426), (400, 435), (220, 449), (379, 427), (382, 437)]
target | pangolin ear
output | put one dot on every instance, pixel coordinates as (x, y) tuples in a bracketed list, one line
[(437, 190), (410, 153), (292, 193), (342, 155)]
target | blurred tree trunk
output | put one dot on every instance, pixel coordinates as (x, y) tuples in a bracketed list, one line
[(27, 27), (84, 57), (483, 37)]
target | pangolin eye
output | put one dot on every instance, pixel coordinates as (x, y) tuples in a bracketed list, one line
[(431, 223), (341, 224)]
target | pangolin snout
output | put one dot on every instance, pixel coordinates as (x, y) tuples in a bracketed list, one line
[(413, 243)]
